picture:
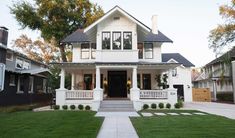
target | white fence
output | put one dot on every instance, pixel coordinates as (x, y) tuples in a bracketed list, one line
[(79, 94), (153, 94)]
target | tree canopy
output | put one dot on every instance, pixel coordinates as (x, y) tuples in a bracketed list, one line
[(223, 34), (56, 19)]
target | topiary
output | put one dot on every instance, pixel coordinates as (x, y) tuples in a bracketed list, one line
[(65, 107), (177, 105), (181, 104), (56, 107), (168, 105), (161, 105), (87, 107), (145, 106), (80, 107), (72, 107), (153, 106)]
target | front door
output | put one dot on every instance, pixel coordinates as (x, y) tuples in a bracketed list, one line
[(117, 84)]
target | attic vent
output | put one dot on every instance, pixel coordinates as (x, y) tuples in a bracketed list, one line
[(116, 18)]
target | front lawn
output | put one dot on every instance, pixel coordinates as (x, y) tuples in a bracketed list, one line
[(50, 124), (181, 126)]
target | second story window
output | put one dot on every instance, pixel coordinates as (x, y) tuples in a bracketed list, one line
[(116, 40), (148, 50), (106, 40), (85, 50), (127, 40), (140, 50), (22, 64), (93, 50)]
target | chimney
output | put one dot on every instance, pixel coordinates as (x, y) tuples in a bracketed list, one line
[(3, 36), (154, 24)]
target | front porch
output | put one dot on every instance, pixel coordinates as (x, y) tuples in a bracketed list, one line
[(93, 83)]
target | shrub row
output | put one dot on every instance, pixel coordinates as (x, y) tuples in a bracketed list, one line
[(161, 105), (72, 107)]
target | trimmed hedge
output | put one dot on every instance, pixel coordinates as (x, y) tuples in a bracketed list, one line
[(80, 107), (65, 107), (56, 107), (168, 105), (227, 97), (177, 105), (72, 107), (153, 106), (87, 107), (145, 106), (161, 105)]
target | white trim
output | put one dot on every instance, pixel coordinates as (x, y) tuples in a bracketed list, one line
[(11, 56), (111, 12), (31, 78), (169, 61), (2, 69)]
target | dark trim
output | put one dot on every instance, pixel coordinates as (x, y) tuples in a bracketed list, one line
[(118, 32), (124, 39), (109, 40)]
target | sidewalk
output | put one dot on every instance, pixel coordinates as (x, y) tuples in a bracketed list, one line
[(117, 125)]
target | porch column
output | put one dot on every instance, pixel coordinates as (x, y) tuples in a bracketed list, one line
[(233, 78), (134, 78), (170, 79), (72, 81), (97, 81), (62, 78)]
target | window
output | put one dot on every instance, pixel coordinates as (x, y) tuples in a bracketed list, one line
[(12, 80), (21, 85), (93, 50), (85, 50), (140, 50), (127, 40), (44, 85), (106, 40), (148, 49), (174, 72), (22, 64), (31, 84), (146, 81), (116, 40), (87, 81), (138, 81), (9, 56)]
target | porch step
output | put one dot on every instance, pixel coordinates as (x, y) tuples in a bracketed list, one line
[(116, 106)]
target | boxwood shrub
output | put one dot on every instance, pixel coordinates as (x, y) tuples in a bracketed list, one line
[(177, 105), (145, 106), (161, 105), (72, 107), (56, 107), (80, 107), (153, 106), (87, 107), (226, 97), (65, 107), (168, 105)]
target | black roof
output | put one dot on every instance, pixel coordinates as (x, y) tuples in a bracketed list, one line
[(230, 54), (178, 57), (80, 36)]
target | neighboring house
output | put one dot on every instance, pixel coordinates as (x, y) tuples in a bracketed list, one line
[(24, 81), (217, 75), (119, 57)]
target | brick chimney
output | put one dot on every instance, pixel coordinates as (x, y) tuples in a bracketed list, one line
[(3, 43), (154, 24)]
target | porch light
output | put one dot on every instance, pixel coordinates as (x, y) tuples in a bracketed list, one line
[(105, 81), (129, 82)]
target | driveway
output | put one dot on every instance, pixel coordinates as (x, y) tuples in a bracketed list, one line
[(226, 110)]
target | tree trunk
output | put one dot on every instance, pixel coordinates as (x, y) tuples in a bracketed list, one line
[(62, 52)]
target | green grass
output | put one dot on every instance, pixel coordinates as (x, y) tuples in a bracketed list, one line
[(195, 126), (57, 124)]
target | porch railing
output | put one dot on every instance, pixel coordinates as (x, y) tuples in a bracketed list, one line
[(79, 94), (153, 94)]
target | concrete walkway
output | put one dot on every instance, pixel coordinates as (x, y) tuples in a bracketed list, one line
[(226, 110), (117, 125)]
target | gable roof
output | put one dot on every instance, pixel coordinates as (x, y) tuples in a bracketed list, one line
[(81, 36), (177, 57)]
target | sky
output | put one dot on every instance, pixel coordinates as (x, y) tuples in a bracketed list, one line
[(186, 22)]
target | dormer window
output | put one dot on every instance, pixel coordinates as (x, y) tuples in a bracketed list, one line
[(22, 64), (127, 40), (106, 40)]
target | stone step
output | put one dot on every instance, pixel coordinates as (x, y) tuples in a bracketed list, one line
[(116, 106), (116, 110)]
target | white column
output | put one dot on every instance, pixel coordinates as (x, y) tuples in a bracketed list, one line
[(72, 81), (134, 78), (97, 85), (62, 79), (214, 89), (170, 79)]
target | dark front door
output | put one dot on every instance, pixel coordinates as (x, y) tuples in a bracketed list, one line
[(180, 91), (117, 84)]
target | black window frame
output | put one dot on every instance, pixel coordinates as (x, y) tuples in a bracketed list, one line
[(145, 50), (113, 37), (107, 48), (87, 51), (124, 40)]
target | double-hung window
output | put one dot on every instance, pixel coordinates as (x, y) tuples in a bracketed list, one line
[(105, 40), (85, 50), (148, 50), (21, 85), (127, 40), (116, 40), (93, 50)]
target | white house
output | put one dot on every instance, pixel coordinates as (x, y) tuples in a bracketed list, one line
[(119, 57)]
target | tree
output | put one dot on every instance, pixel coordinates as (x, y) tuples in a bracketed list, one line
[(224, 34), (56, 19), (38, 50)]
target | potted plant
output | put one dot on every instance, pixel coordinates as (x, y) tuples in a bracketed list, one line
[(128, 87), (159, 81)]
